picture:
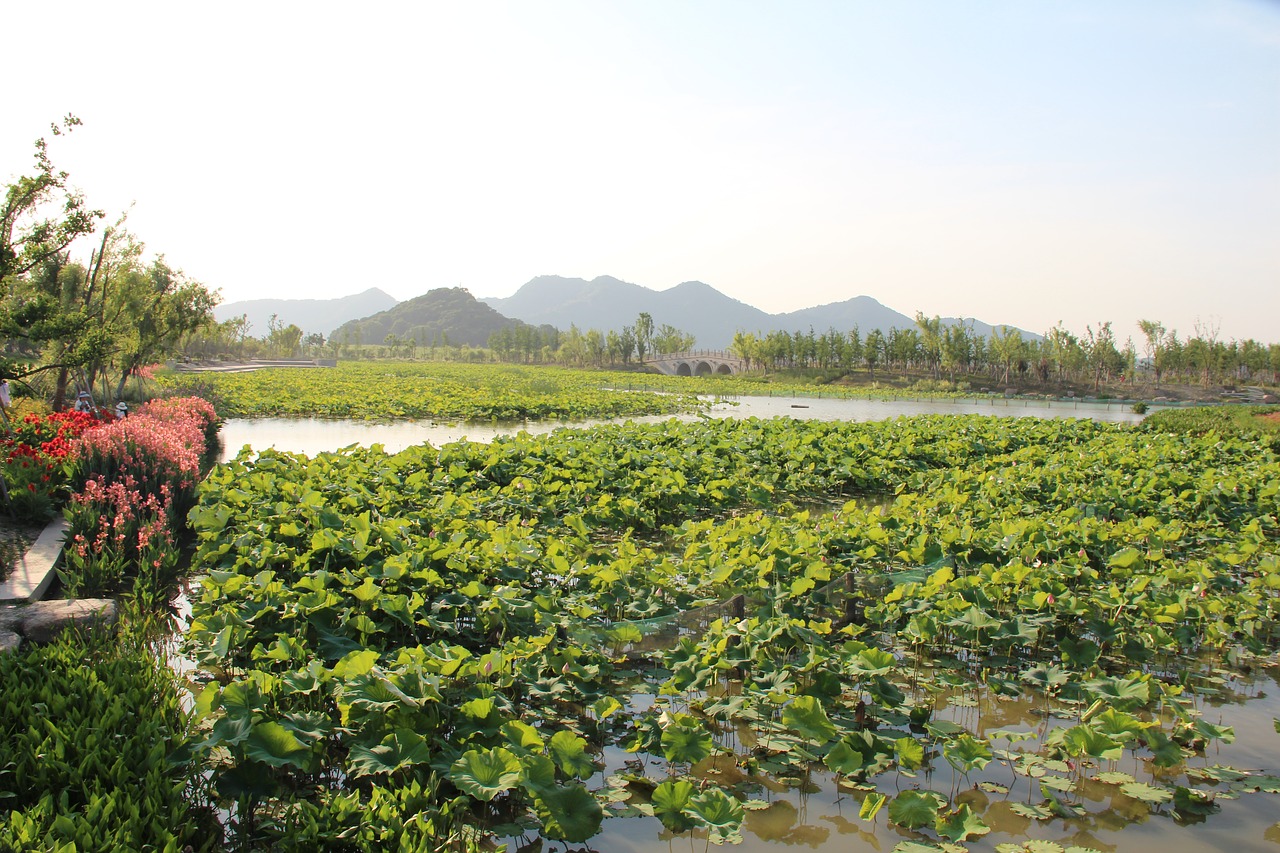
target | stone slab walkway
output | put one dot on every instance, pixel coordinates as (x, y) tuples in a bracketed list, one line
[(33, 573)]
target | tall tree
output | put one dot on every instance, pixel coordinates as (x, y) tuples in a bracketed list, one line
[(643, 334)]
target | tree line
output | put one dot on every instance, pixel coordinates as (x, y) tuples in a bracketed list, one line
[(956, 352), (87, 324), (592, 348)]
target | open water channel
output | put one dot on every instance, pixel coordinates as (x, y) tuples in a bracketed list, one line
[(816, 814), (315, 435)]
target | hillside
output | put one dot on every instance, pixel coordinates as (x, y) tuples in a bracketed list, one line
[(448, 314), (310, 315)]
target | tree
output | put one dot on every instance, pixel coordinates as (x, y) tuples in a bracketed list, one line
[(27, 237), (643, 334), (1006, 348), (153, 311), (1154, 332), (283, 340), (1101, 354), (40, 307), (872, 350), (930, 341)]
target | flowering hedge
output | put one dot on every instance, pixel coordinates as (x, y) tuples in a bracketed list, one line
[(137, 481)]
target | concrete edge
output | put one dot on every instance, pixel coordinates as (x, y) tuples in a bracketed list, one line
[(32, 575)]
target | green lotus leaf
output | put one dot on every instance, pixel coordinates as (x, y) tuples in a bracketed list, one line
[(1188, 803), (570, 813), (522, 737), (908, 752), (1035, 812), (401, 748), (1046, 676), (871, 805), (806, 716), (1122, 693), (1086, 740), (570, 752), (671, 796), (484, 774), (845, 759), (271, 743), (1125, 558), (872, 661), (960, 825), (721, 813), (356, 664), (537, 773), (1147, 793), (914, 809), (966, 753), (604, 707), (685, 741), (1165, 751)]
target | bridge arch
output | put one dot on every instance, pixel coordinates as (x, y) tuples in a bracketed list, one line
[(698, 363)]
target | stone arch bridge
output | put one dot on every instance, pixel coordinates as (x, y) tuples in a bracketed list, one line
[(698, 363)]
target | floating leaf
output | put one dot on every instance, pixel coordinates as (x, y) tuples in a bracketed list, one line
[(914, 809), (960, 825), (1035, 812), (1146, 793)]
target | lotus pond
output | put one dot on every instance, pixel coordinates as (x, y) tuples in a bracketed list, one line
[(956, 633)]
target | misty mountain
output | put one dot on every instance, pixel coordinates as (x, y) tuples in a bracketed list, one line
[(310, 315), (449, 314), (607, 303)]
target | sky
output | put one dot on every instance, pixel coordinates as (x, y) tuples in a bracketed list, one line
[(1027, 162)]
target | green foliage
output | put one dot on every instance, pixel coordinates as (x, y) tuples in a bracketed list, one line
[(465, 618), (88, 724)]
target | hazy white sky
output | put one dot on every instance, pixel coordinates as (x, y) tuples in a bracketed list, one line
[(1023, 162)]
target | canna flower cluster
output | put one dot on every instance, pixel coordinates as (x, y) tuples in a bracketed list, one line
[(37, 459), (137, 480)]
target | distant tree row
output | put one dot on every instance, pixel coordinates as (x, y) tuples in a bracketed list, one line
[(65, 323), (957, 352), (592, 348)]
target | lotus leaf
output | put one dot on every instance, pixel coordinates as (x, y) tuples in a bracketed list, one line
[(484, 774)]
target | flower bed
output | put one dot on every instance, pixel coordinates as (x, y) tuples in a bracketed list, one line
[(137, 478), (37, 460)]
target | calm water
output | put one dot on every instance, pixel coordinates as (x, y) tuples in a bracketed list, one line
[(315, 435)]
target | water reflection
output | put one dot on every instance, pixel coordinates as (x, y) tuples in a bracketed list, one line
[(316, 435)]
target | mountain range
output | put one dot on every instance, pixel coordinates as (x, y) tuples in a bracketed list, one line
[(710, 316), (603, 303), (310, 315)]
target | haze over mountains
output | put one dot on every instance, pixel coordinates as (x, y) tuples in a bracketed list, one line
[(603, 303)]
